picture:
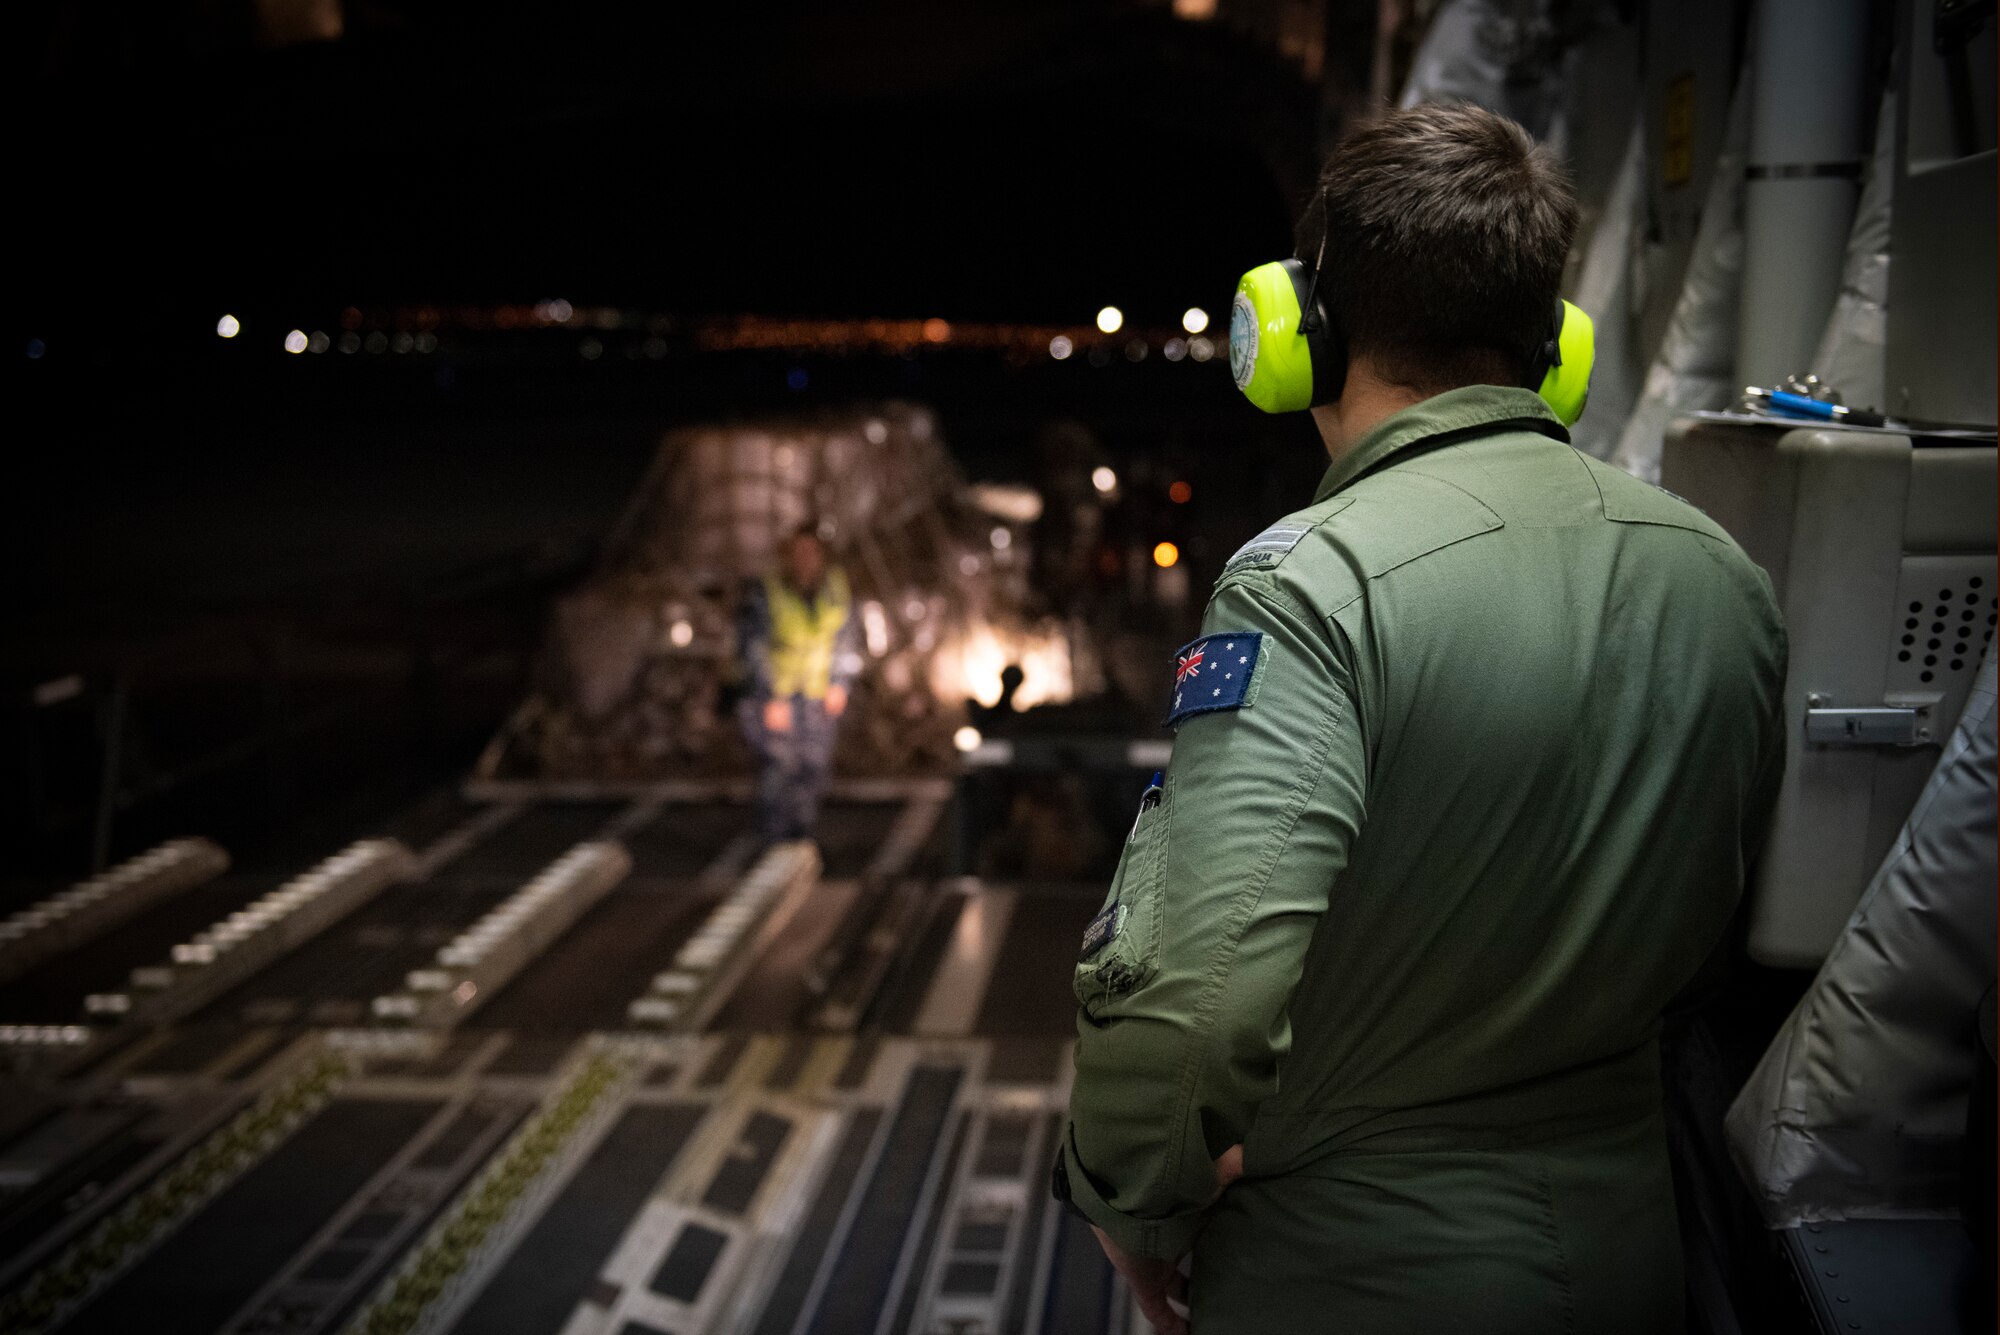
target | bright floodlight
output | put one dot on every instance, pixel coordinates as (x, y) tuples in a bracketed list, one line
[(1110, 320), (967, 738), (228, 327), (1165, 555), (681, 633), (1103, 479), (1194, 319), (296, 341)]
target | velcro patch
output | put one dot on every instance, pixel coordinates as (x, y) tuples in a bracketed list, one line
[(1267, 548), (1214, 673), (1103, 930)]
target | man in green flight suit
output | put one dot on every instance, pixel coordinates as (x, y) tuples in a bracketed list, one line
[(1472, 755)]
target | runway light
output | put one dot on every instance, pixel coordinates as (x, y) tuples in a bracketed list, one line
[(1180, 493), (1174, 349), (967, 738), (319, 342), (296, 341), (228, 327), (1201, 349), (936, 330), (681, 633), (1104, 479), (1002, 539), (1110, 320), (1166, 555), (1194, 319), (1060, 348)]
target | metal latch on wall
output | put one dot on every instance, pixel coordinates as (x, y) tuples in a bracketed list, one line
[(1880, 725)]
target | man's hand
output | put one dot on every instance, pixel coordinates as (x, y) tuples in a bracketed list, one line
[(1157, 1285), (778, 715), (836, 700)]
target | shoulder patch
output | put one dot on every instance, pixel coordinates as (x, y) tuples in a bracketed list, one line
[(1267, 548), (1275, 543), (1213, 673)]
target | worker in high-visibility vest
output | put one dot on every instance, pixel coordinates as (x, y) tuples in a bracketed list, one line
[(796, 630)]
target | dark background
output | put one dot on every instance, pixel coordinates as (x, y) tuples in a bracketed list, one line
[(294, 589)]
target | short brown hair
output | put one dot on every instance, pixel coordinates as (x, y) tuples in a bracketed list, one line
[(1446, 227)]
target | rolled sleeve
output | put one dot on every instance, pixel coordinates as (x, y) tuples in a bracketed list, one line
[(1219, 897)]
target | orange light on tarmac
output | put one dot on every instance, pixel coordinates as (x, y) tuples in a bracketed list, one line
[(1165, 555)]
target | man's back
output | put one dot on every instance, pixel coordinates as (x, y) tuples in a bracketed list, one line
[(1567, 683), (1408, 916)]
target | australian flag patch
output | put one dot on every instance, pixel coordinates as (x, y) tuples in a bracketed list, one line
[(1214, 673)]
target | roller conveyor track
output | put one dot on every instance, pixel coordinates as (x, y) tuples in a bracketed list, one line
[(767, 1175), (331, 979)]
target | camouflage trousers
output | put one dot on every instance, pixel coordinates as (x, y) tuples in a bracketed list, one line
[(792, 766)]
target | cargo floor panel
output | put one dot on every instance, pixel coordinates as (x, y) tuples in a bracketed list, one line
[(430, 819), (531, 840), (683, 839), (215, 1263), (781, 985), (1029, 992), (556, 1264), (586, 978), (851, 834)]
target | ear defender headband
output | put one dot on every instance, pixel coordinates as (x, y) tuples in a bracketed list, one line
[(1288, 355), (1561, 369)]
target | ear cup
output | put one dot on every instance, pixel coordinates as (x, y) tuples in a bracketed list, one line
[(1282, 360), (1324, 345), (1561, 372)]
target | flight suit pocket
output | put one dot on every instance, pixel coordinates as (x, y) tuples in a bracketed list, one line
[(1121, 947)]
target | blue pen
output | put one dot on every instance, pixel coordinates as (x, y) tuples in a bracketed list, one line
[(1148, 800), (1798, 405)]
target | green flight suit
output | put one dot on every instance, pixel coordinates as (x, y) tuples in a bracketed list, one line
[(1404, 922)]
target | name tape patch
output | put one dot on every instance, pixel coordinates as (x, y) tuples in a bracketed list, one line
[(1103, 930), (1214, 673)]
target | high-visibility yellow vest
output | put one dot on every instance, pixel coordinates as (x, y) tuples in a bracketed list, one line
[(803, 635)]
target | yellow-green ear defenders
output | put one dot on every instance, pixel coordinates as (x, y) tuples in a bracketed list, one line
[(1287, 354)]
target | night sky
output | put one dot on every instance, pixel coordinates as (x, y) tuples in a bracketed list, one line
[(978, 162)]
